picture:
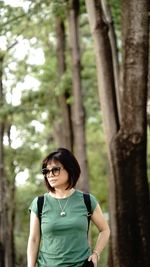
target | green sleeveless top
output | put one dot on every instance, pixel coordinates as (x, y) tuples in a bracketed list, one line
[(64, 241)]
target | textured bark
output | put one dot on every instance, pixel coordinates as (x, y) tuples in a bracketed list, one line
[(126, 139), (114, 49), (65, 137), (11, 207), (78, 115), (104, 60), (2, 180), (2, 220), (106, 87), (7, 250), (129, 146), (148, 99)]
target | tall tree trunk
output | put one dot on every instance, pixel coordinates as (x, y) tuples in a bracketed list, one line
[(12, 223), (78, 115), (66, 139), (114, 48), (107, 95), (11, 205), (2, 180), (126, 139), (148, 93), (7, 258), (129, 146)]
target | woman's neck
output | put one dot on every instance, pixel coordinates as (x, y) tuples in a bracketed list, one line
[(62, 193)]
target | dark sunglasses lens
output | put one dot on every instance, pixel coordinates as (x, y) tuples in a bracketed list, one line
[(45, 171), (56, 171)]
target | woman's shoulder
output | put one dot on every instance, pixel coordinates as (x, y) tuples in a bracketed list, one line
[(93, 199), (81, 193), (36, 198)]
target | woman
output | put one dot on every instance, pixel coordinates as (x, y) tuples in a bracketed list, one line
[(60, 239)]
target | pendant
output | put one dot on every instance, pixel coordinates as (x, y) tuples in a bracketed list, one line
[(63, 213)]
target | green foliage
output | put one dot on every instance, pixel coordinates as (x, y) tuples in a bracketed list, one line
[(24, 196), (98, 162), (59, 8), (11, 18), (115, 6)]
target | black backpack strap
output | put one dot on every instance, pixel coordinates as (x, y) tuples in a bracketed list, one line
[(40, 203), (87, 202)]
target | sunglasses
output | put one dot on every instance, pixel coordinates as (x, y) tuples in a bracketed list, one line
[(55, 171)]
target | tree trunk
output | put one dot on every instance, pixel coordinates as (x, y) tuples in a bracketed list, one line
[(2, 180), (78, 115), (66, 139), (11, 205), (114, 49), (7, 251), (126, 138), (107, 95), (129, 146), (148, 93), (2, 206)]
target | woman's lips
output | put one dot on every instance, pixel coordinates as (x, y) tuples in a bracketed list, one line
[(52, 180)]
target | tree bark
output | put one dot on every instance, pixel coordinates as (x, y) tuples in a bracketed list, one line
[(78, 114), (129, 146), (107, 94), (66, 139), (2, 180), (114, 50), (7, 250), (126, 138), (11, 205), (148, 93)]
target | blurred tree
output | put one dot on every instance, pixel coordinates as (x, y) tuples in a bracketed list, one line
[(7, 186), (3, 219), (78, 114), (65, 131), (148, 99)]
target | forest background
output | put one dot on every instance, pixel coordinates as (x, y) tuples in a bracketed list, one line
[(50, 97)]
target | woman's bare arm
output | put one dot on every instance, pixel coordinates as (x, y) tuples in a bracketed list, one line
[(104, 233), (33, 241)]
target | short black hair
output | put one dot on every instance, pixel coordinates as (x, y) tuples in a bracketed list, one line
[(69, 162)]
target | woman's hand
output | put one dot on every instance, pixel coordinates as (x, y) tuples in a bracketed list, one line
[(94, 259)]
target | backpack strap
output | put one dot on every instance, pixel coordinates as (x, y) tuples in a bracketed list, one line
[(87, 202), (40, 203)]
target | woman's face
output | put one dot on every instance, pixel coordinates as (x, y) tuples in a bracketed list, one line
[(57, 175)]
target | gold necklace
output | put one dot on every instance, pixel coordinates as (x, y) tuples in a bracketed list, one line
[(63, 212)]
